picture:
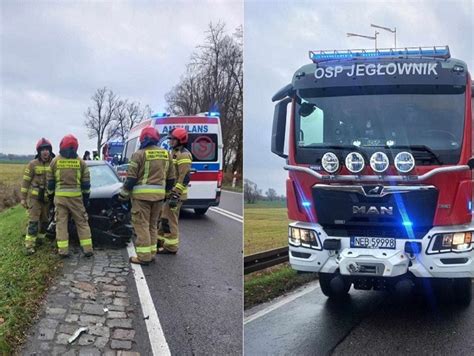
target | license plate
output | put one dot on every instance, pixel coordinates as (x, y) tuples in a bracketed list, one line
[(373, 242)]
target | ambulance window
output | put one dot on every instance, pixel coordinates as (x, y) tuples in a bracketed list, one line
[(203, 147), (130, 148)]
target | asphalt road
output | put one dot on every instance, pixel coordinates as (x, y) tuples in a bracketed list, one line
[(368, 323), (198, 293)]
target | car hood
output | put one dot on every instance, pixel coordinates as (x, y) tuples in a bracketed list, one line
[(107, 191)]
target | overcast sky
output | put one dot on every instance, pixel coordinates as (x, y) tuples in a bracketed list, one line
[(279, 34), (55, 54)]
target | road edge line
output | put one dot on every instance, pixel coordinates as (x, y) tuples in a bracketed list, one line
[(285, 300), (159, 345), (232, 192)]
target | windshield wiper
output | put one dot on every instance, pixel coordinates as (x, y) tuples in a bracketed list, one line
[(419, 148)]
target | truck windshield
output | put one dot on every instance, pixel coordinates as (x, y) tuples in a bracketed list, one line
[(434, 122)]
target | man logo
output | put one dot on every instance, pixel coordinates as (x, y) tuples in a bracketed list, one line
[(372, 210), (373, 190)]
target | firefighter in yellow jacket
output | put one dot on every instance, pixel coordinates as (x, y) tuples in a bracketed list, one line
[(37, 203), (150, 174), (69, 184), (168, 238)]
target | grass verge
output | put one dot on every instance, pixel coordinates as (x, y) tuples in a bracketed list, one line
[(266, 285), (23, 279), (228, 186)]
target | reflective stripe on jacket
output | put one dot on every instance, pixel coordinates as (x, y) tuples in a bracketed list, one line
[(34, 178), (69, 177), (151, 167)]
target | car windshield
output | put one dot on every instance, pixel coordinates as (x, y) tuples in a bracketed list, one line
[(102, 175), (431, 121)]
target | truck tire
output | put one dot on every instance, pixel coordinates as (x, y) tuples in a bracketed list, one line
[(462, 291), (333, 285), (200, 211)]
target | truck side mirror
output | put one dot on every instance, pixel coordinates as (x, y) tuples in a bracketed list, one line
[(279, 127), (470, 163)]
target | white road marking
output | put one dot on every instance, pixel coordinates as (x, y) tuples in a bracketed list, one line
[(159, 346), (227, 214), (285, 300)]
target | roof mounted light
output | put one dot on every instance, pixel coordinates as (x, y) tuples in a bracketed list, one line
[(379, 162), (160, 114), (408, 52), (330, 162), (213, 114), (355, 162), (404, 162)]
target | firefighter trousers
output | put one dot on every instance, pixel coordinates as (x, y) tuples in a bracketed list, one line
[(38, 221), (144, 220), (168, 234), (75, 207)]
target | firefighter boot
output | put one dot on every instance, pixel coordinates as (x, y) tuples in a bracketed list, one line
[(170, 240)]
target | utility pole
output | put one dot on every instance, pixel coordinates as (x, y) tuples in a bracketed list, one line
[(394, 31)]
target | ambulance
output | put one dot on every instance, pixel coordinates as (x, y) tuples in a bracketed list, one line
[(379, 157), (205, 145)]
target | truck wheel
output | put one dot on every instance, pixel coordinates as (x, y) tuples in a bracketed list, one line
[(333, 285), (462, 291), (200, 211)]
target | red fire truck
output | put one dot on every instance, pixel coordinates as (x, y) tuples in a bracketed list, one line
[(380, 159)]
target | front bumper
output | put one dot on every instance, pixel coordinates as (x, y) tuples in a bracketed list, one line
[(384, 262)]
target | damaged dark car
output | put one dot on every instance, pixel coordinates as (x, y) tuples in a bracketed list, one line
[(109, 218)]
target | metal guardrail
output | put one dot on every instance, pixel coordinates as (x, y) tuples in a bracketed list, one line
[(262, 260)]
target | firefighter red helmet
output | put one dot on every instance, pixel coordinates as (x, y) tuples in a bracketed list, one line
[(43, 143), (69, 141), (180, 134), (149, 132)]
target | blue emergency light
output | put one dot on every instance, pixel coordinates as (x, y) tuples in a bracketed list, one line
[(160, 114), (409, 52), (213, 114)]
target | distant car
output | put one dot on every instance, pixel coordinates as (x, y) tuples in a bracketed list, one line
[(109, 218)]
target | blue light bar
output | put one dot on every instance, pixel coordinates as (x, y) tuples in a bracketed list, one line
[(407, 223), (160, 114), (469, 206), (306, 204), (409, 52), (214, 114)]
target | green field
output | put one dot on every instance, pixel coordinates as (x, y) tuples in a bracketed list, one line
[(10, 182), (264, 228), (11, 172), (23, 280)]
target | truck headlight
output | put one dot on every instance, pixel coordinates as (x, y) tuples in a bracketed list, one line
[(379, 162), (456, 241), (355, 162), (330, 162), (303, 237), (404, 162)]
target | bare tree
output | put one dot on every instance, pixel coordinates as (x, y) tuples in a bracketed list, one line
[(251, 192), (214, 82), (271, 194), (100, 116), (128, 115)]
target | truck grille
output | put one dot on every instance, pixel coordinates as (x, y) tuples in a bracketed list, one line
[(375, 211)]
